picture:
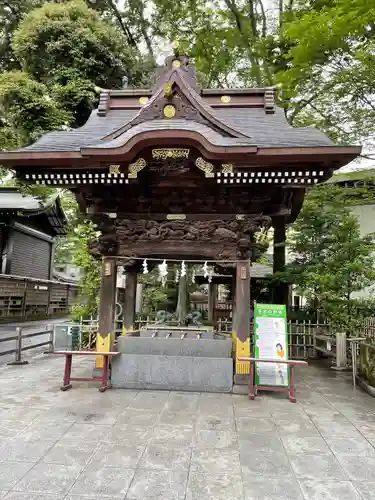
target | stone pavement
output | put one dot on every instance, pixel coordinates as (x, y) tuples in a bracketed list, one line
[(83, 445)]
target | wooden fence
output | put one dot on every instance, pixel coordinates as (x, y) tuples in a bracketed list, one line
[(28, 298)]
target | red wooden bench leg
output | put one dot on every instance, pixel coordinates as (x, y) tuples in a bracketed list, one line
[(292, 389), (251, 382), (68, 370), (104, 385)]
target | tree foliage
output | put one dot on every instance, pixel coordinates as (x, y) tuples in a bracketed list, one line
[(331, 260), (330, 69)]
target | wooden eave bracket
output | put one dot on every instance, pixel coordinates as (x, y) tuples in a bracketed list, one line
[(103, 103), (269, 102)]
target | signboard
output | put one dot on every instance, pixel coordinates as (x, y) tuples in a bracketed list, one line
[(271, 342)]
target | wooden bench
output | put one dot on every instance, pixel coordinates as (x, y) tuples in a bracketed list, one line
[(253, 387), (68, 368)]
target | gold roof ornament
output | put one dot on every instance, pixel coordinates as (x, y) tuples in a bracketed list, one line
[(114, 169), (167, 89), (176, 63), (143, 100), (207, 167), (169, 111), (166, 153), (136, 167), (227, 168), (225, 99)]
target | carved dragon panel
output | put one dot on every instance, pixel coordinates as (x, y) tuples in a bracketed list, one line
[(210, 239)]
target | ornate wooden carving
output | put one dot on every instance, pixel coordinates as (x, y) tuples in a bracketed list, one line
[(188, 198), (210, 239)]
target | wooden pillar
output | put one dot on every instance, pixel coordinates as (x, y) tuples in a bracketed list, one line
[(280, 293), (107, 307), (182, 300), (212, 294), (242, 320), (130, 294)]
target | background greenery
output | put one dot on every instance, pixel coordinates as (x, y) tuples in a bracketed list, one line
[(56, 55)]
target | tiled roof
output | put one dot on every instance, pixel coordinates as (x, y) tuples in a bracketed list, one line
[(264, 130)]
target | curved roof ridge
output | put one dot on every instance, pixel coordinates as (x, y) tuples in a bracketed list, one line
[(180, 77)]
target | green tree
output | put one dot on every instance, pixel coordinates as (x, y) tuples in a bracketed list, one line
[(329, 67), (27, 109), (331, 260)]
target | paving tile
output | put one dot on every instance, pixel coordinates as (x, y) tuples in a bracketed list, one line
[(118, 455), (104, 481), (11, 428), (267, 463), (139, 418), (91, 497), (224, 486), (322, 413), (328, 490), (24, 414), (358, 468), (215, 422), (182, 417), (12, 472), (70, 453), (205, 438), (365, 489), (174, 436), (216, 461), (357, 446), (313, 466), (331, 428), (295, 426), (49, 478), (153, 401), (164, 458), (269, 441), (17, 495), (42, 429), (261, 488), (158, 485), (181, 402), (25, 450), (248, 425), (308, 444), (85, 432), (128, 435)]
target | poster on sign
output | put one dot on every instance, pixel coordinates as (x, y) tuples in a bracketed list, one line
[(271, 342)]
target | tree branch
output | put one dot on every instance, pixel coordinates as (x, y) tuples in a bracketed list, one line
[(253, 59), (252, 17), (138, 6), (263, 17), (123, 26)]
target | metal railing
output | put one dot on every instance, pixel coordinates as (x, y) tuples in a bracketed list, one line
[(20, 348)]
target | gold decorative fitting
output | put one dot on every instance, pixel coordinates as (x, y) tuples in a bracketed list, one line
[(136, 167), (176, 63), (207, 167), (114, 169), (225, 99), (167, 89), (165, 154), (143, 100), (107, 269), (227, 168), (176, 217), (169, 111)]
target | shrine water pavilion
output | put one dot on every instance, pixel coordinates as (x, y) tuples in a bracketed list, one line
[(181, 172)]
